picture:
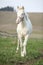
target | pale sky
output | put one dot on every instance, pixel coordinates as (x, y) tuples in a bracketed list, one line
[(30, 5)]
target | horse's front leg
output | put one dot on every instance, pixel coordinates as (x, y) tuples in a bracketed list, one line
[(18, 44), (24, 45), (21, 45)]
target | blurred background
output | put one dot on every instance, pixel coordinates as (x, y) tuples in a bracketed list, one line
[(8, 9)]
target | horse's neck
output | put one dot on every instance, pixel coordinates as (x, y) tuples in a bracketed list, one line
[(22, 24)]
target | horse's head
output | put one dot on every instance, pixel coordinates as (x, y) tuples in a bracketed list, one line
[(20, 14)]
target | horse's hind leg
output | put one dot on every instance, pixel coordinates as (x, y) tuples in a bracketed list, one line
[(24, 45)]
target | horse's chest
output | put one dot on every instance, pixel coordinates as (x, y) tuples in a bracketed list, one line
[(21, 30)]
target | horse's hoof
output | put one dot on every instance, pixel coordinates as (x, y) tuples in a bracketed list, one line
[(16, 51), (22, 55)]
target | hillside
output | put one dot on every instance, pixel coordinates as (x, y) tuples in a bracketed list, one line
[(7, 9), (8, 23)]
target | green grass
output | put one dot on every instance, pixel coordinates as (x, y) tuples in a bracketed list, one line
[(8, 54)]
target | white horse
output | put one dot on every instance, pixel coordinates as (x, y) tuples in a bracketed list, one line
[(24, 29)]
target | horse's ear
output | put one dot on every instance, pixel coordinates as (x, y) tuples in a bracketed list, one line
[(17, 7), (22, 7)]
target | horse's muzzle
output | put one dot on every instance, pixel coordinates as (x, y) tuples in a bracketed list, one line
[(19, 20)]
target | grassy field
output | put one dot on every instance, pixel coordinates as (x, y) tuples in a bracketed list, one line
[(8, 54)]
